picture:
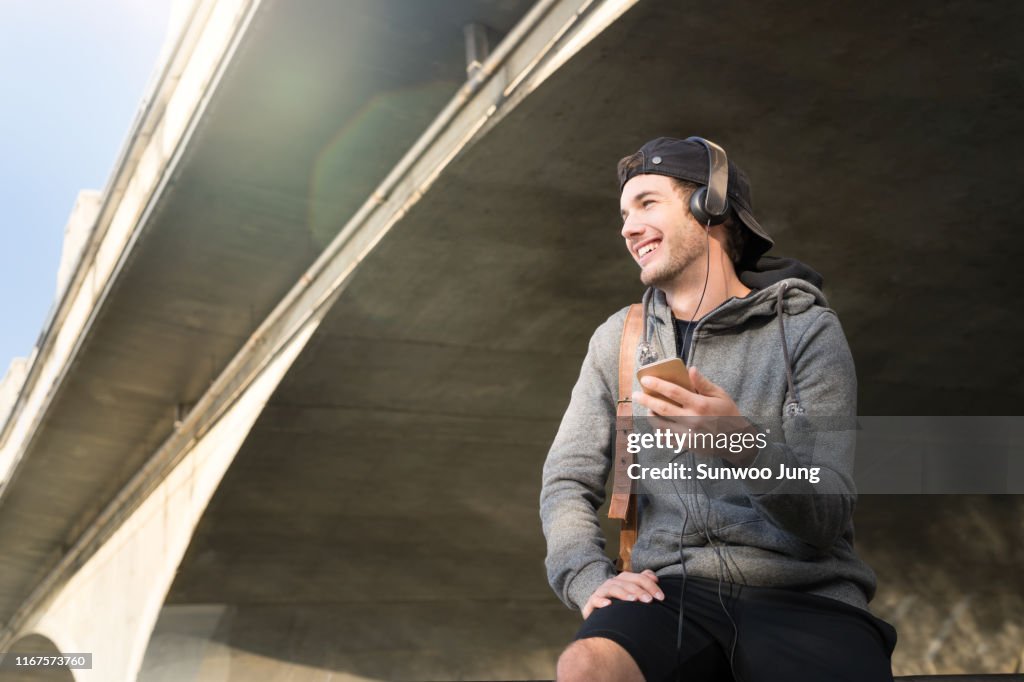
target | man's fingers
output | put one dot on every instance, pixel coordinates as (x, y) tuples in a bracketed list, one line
[(618, 589), (594, 603), (646, 581), (628, 592), (660, 407), (630, 587), (674, 392), (626, 586)]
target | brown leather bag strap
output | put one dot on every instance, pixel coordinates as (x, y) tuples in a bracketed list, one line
[(623, 503)]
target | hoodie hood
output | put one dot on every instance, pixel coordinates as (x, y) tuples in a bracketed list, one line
[(775, 282), (772, 269)]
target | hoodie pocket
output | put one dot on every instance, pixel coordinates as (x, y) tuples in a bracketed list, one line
[(659, 548), (764, 535)]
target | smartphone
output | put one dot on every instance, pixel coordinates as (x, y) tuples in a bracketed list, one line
[(671, 369)]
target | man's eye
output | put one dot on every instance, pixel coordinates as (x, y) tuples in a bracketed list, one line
[(647, 203)]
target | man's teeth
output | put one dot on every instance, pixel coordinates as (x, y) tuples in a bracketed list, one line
[(644, 250)]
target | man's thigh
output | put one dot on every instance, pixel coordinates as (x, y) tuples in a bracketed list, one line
[(779, 634), (803, 637), (649, 634)]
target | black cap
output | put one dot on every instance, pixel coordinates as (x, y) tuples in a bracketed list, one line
[(688, 160)]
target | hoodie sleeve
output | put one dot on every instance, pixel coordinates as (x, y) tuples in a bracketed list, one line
[(823, 435), (576, 470)]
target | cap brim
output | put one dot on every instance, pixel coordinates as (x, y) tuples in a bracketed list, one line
[(759, 243)]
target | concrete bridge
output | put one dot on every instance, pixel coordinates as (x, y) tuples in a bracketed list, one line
[(288, 419)]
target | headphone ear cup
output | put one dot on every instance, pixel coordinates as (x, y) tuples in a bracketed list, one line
[(697, 198), (698, 207)]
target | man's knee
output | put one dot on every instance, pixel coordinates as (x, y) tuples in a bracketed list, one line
[(597, 659)]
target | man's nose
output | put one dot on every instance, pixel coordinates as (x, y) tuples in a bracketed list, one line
[(631, 228)]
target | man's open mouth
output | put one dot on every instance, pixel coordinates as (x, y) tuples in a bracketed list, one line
[(647, 248)]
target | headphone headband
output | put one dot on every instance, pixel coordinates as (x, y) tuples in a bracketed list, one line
[(710, 204)]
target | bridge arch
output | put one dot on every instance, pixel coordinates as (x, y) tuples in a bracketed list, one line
[(35, 644)]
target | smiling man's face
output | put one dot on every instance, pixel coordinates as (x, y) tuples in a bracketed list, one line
[(660, 233)]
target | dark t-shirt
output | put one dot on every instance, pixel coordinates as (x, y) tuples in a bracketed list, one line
[(684, 334)]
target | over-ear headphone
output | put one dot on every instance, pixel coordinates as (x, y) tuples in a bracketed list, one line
[(709, 204)]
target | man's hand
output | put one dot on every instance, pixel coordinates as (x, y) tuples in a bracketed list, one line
[(627, 587), (709, 400), (709, 408)]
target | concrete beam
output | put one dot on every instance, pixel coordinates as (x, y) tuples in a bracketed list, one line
[(154, 147), (107, 604)]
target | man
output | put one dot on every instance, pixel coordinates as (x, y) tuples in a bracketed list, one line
[(741, 579)]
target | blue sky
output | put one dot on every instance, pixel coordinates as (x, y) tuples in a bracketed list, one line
[(72, 75)]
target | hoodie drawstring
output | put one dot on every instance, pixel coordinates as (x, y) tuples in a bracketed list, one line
[(793, 407), (648, 354)]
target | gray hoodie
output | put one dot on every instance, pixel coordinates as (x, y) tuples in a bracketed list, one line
[(793, 370)]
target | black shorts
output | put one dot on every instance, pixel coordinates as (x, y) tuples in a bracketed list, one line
[(782, 635)]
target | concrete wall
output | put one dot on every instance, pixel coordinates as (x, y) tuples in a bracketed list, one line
[(10, 386)]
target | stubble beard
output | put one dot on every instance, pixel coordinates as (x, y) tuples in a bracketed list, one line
[(682, 255)]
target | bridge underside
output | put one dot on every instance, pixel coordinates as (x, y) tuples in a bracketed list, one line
[(381, 521), (381, 518), (314, 110)]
